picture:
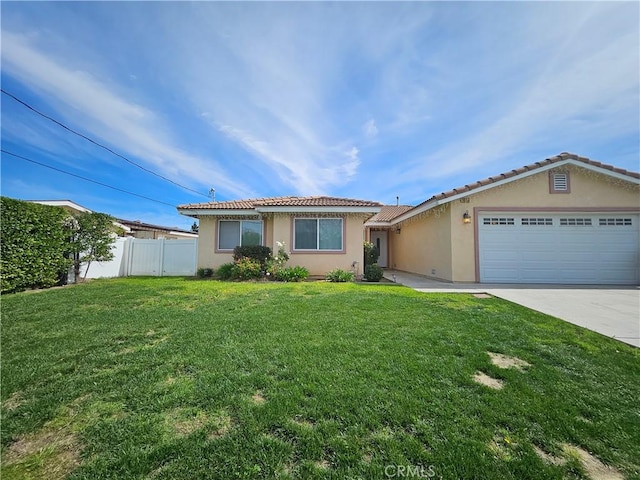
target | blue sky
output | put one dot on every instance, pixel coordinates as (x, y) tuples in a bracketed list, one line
[(364, 100)]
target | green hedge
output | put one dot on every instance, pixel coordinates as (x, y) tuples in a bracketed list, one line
[(34, 245)]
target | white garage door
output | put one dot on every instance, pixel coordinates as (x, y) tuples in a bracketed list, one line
[(566, 248)]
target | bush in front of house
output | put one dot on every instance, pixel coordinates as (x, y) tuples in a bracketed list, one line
[(371, 254), (292, 274), (204, 272), (225, 271), (259, 253), (35, 245), (339, 275), (246, 269), (373, 273)]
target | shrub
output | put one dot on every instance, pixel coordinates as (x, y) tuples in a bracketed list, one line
[(205, 272), (225, 271), (259, 253), (246, 269), (35, 245), (292, 274), (338, 275), (373, 273), (371, 254)]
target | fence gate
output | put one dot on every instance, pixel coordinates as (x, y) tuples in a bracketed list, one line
[(162, 257)]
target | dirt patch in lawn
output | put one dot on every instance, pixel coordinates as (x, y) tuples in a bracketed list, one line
[(594, 467), (302, 423), (220, 426), (14, 401), (482, 295), (258, 398), (549, 458), (48, 453), (52, 452), (185, 421), (504, 361), (322, 465), (484, 379)]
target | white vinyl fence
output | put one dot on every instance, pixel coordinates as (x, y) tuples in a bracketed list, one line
[(136, 256)]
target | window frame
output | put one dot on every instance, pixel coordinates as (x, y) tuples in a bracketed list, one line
[(239, 221), (318, 249)]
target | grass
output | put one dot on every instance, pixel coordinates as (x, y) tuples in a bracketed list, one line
[(166, 378)]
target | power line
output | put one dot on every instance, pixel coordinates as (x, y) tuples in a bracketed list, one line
[(84, 178), (97, 143)]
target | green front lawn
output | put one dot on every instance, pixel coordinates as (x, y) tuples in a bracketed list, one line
[(165, 378)]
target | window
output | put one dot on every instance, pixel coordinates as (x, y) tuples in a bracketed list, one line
[(614, 222), (317, 234), (559, 183), (233, 233), (575, 222), (536, 221), (498, 221)]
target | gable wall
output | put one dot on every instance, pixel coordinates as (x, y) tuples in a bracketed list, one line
[(589, 190)]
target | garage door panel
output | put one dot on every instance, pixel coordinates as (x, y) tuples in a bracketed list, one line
[(560, 248)]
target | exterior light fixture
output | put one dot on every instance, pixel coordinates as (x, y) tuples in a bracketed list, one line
[(466, 218), (398, 230)]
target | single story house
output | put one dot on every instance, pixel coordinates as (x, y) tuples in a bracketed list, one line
[(321, 233), (564, 220)]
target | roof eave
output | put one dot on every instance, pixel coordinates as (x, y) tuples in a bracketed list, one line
[(317, 209), (216, 212), (436, 202)]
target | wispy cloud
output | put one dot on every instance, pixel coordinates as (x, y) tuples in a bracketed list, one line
[(369, 128), (371, 99), (105, 114)]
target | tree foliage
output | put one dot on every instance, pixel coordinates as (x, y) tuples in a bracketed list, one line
[(34, 245), (92, 239)]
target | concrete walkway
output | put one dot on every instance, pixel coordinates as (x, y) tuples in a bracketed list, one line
[(610, 311)]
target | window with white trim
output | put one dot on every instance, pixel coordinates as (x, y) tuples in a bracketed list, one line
[(234, 233), (324, 234)]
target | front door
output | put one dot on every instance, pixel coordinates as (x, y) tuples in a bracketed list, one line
[(379, 239)]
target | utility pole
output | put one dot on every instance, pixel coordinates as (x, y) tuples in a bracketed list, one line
[(212, 194)]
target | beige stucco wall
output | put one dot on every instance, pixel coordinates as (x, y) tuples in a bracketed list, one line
[(423, 245), (279, 229), (451, 248)]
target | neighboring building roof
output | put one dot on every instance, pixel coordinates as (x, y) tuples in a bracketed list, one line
[(506, 177), (281, 204), (138, 225), (66, 204)]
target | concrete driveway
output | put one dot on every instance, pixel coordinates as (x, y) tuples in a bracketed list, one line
[(610, 311)]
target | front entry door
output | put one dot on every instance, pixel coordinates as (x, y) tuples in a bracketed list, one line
[(379, 239)]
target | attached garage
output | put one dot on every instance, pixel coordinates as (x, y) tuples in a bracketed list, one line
[(563, 220), (561, 248)]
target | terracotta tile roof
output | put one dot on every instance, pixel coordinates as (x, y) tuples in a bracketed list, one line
[(514, 173), (389, 212), (518, 171), (250, 204)]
